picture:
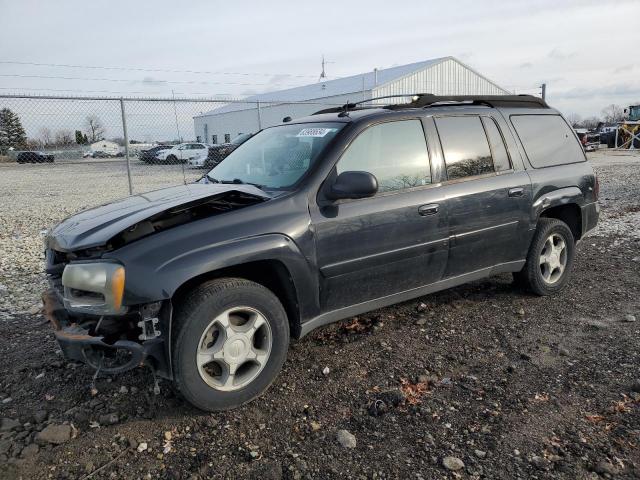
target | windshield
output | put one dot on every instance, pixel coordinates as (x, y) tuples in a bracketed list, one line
[(276, 157)]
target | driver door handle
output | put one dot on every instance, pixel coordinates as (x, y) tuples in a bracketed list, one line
[(429, 209), (516, 192)]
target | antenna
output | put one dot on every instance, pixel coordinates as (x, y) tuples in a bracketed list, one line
[(323, 74)]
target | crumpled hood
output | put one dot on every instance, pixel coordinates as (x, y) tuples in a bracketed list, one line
[(94, 227)]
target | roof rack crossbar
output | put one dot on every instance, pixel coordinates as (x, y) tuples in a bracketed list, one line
[(424, 100)]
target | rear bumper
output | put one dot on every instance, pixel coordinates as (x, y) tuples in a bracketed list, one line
[(590, 215), (78, 344)]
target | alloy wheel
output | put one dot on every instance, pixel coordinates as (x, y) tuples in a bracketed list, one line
[(553, 258), (234, 348)]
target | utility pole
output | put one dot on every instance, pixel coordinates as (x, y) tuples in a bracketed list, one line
[(543, 87)]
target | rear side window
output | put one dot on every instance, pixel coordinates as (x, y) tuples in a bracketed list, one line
[(547, 140), (395, 152), (465, 147), (498, 150)]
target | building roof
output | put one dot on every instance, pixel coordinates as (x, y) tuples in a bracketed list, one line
[(340, 86)]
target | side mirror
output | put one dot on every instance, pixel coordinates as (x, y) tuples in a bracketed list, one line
[(354, 185)]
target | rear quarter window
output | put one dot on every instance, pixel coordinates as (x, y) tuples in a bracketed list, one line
[(547, 140)]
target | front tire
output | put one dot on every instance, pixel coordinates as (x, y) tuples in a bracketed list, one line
[(172, 159), (550, 258), (232, 340)]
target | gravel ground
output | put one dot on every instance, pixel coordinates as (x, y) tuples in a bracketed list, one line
[(480, 381), (33, 197)]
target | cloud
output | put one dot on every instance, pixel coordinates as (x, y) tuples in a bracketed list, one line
[(624, 69), (153, 81), (526, 65), (558, 54), (616, 90), (277, 80)]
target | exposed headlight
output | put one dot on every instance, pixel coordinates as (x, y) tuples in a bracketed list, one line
[(95, 288)]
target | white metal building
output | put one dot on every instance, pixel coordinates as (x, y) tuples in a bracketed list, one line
[(440, 76)]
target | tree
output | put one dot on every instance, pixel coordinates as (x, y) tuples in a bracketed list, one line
[(45, 136), (591, 123), (95, 128), (64, 137), (11, 132), (613, 113), (79, 138), (33, 144), (574, 120)]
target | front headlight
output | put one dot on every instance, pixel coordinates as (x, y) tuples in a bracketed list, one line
[(95, 288)]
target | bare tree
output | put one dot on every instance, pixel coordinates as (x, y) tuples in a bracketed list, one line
[(613, 113), (45, 136), (94, 128), (64, 138), (574, 120), (591, 123)]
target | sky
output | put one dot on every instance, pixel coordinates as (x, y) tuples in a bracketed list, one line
[(585, 51)]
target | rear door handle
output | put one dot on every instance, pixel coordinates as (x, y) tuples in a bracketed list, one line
[(430, 209), (516, 192)]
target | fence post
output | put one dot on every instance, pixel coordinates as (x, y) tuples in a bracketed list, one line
[(126, 144), (259, 116)]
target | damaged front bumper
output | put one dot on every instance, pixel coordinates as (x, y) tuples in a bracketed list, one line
[(79, 340)]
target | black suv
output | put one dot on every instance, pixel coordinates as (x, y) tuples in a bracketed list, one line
[(313, 221), (35, 157)]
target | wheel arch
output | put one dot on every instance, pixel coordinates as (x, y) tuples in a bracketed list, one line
[(570, 214), (563, 204), (272, 274)]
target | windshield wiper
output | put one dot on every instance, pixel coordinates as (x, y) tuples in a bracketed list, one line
[(239, 181), (211, 179)]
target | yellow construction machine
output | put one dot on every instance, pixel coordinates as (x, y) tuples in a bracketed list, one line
[(628, 133)]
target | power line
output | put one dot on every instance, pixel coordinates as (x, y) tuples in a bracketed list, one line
[(17, 89), (156, 70), (157, 82)]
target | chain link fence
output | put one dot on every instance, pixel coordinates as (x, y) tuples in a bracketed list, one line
[(101, 148)]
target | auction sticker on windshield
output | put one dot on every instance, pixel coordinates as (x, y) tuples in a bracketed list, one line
[(315, 132)]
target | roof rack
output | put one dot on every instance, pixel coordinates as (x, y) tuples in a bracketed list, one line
[(351, 106), (424, 100)]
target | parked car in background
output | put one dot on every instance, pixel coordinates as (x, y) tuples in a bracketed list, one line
[(151, 155), (313, 221), (34, 157), (184, 152), (217, 153), (590, 140)]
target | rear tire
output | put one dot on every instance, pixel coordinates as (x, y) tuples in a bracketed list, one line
[(232, 340), (550, 258), (172, 159)]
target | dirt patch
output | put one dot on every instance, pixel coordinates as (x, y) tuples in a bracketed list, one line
[(540, 387)]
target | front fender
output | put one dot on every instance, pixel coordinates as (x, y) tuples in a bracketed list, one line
[(148, 282)]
